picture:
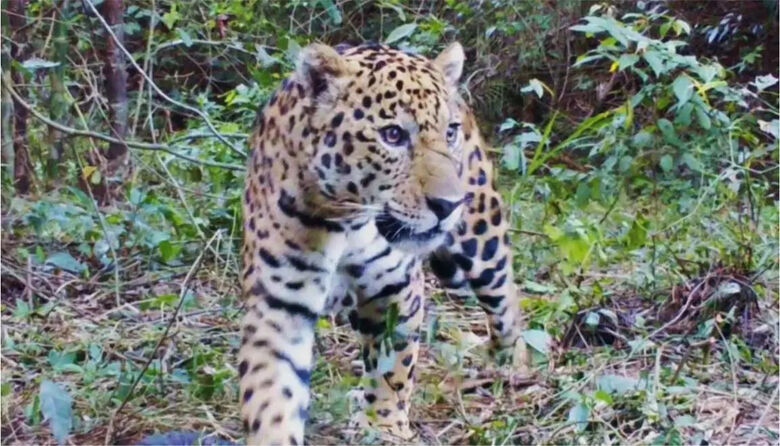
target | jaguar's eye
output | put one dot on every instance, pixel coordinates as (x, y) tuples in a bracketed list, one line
[(452, 133), (394, 135)]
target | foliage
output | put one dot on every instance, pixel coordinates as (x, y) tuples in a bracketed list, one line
[(638, 162)]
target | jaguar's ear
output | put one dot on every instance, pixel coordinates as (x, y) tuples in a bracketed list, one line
[(319, 66), (450, 62)]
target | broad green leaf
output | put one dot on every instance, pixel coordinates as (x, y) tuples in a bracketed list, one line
[(666, 163), (617, 384), (692, 162), (587, 28), (401, 32), (683, 89), (637, 233), (667, 130), (64, 261), (707, 72), (35, 63), (334, 13), (772, 127), (684, 421), (534, 287), (653, 59), (59, 360), (22, 309), (265, 59), (539, 340), (56, 408), (579, 415), (592, 319), (511, 156), (293, 50), (764, 82), (168, 250), (185, 38), (703, 118), (627, 60), (534, 85), (681, 27), (508, 124), (601, 395), (642, 139)]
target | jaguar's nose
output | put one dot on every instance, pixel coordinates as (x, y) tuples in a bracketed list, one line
[(441, 207)]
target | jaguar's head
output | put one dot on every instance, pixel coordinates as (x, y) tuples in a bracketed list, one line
[(387, 130)]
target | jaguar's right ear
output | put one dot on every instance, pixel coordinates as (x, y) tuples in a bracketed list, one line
[(319, 66)]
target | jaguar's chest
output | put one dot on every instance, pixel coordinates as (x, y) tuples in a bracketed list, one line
[(367, 266)]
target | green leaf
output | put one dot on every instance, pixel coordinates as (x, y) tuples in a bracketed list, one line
[(508, 124), (771, 127), (579, 415), (168, 250), (334, 13), (265, 59), (293, 50), (401, 32), (601, 395), (684, 421), (653, 59), (56, 408), (627, 60), (667, 130), (60, 360), (666, 163), (617, 384), (703, 117), (185, 38), (539, 340), (22, 309), (534, 85), (683, 89), (534, 287), (592, 319), (764, 82), (35, 63), (64, 261), (511, 156), (692, 162), (642, 139), (637, 233)]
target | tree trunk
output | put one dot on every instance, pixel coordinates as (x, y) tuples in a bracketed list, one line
[(15, 11), (116, 77), (58, 103), (116, 92)]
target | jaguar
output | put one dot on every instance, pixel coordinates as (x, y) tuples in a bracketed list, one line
[(365, 163)]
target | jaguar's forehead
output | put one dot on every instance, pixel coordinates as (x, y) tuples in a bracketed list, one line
[(394, 80)]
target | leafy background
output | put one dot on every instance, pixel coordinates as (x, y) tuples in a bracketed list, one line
[(637, 147)]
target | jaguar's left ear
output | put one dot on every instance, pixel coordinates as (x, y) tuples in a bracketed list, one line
[(450, 62)]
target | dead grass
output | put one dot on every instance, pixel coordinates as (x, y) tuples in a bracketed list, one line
[(461, 396)]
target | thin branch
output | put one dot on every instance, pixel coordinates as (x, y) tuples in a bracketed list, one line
[(157, 89), (182, 293), (133, 144)]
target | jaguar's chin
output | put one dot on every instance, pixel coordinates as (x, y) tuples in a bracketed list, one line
[(402, 236)]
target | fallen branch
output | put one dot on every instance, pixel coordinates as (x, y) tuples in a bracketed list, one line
[(193, 270), (88, 134)]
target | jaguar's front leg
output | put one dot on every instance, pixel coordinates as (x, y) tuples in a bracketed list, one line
[(388, 319), (477, 260)]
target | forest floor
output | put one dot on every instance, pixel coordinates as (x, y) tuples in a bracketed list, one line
[(634, 369)]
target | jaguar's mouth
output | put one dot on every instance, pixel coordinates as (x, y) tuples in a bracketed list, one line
[(405, 237)]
